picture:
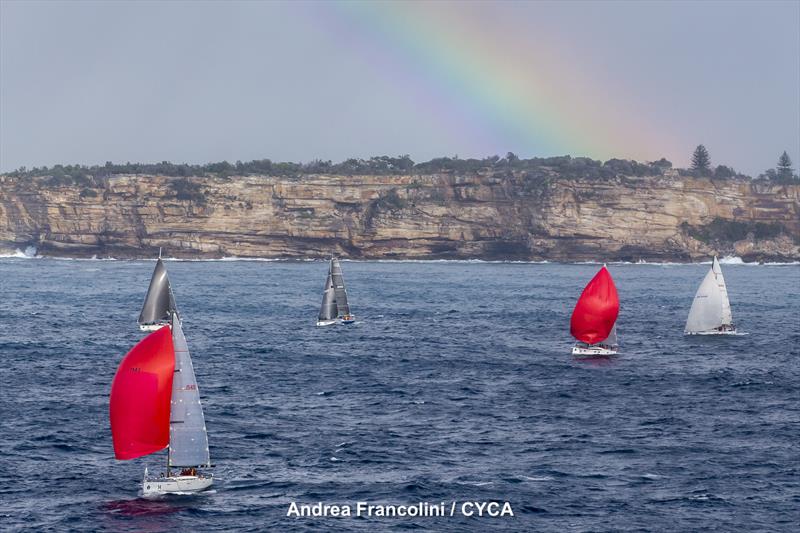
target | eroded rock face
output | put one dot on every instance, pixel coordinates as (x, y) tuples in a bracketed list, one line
[(486, 215)]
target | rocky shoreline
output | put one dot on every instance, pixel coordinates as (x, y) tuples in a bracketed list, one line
[(492, 215)]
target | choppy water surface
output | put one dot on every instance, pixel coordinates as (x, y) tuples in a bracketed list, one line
[(456, 383)]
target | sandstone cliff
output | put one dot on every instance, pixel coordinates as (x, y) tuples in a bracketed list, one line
[(488, 215)]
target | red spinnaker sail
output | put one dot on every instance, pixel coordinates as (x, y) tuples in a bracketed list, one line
[(596, 310), (140, 397)]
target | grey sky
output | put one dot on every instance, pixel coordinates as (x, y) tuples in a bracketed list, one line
[(87, 82)]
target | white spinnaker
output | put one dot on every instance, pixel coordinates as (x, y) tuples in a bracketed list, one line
[(710, 308), (188, 439)]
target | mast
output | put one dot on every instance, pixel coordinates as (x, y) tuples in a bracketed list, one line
[(343, 308)]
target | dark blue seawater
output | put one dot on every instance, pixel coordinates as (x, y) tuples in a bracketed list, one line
[(456, 383)]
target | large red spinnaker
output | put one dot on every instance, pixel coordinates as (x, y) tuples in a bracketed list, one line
[(140, 397), (596, 310)]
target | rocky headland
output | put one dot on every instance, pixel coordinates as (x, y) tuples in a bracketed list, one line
[(491, 214)]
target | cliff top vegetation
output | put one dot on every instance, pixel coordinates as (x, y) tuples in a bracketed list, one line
[(566, 166)]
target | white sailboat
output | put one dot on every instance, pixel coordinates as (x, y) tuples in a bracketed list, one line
[(159, 303), (711, 310), (155, 403)]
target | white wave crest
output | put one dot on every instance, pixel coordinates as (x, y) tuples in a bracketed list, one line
[(28, 253)]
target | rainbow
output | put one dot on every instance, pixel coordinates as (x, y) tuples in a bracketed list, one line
[(481, 77)]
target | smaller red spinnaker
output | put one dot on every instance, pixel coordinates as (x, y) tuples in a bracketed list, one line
[(140, 397), (597, 309)]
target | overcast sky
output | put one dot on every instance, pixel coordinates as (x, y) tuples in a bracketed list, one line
[(89, 82)]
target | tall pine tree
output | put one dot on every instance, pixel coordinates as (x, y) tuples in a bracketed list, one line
[(701, 162), (784, 169)]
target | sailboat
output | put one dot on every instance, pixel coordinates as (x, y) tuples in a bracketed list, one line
[(594, 319), (334, 298), (711, 310), (159, 304), (155, 404)]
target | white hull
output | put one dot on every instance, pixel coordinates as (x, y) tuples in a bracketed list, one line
[(588, 349), (712, 332), (155, 327), (175, 485), (151, 327), (333, 321)]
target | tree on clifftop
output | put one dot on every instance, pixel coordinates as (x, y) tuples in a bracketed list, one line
[(785, 170), (701, 162)]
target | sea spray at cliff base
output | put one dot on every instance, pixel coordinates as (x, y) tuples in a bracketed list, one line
[(727, 260)]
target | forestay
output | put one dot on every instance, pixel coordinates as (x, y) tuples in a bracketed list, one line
[(188, 440)]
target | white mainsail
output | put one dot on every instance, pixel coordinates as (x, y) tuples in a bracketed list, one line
[(611, 340), (342, 307), (188, 439), (711, 308), (727, 316)]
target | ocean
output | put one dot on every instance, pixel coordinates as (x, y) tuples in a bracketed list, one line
[(456, 384)]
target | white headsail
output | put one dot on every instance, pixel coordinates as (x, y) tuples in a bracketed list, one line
[(328, 310), (188, 440), (711, 308)]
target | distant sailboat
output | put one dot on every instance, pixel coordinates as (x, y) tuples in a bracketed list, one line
[(334, 298), (159, 304), (711, 310), (594, 318), (154, 404)]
